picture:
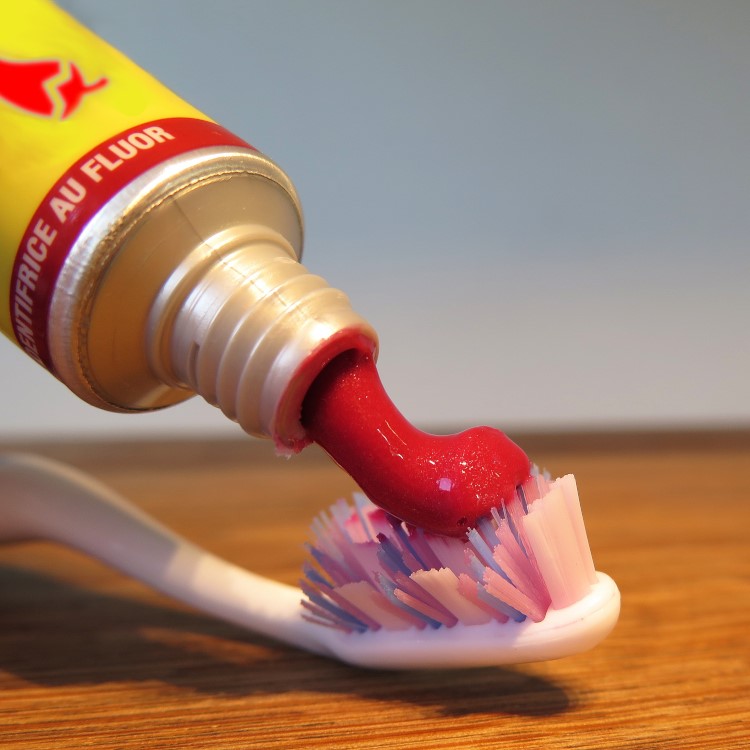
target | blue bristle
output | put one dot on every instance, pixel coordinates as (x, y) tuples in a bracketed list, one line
[(421, 537), (477, 566), (315, 576), (334, 609), (403, 536), (389, 589), (500, 605), (335, 568), (487, 531), (514, 530), (499, 512), (390, 557), (522, 497), (314, 613), (484, 552)]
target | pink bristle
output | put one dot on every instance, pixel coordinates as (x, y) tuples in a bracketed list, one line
[(340, 548), (448, 554), (350, 607), (469, 588), (570, 490), (379, 521), (555, 543), (496, 585), (516, 516), (443, 585), (525, 573), (336, 572), (530, 489), (396, 576), (365, 598), (366, 565), (363, 514), (436, 615), (411, 585)]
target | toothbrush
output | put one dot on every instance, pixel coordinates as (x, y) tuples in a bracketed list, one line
[(377, 593)]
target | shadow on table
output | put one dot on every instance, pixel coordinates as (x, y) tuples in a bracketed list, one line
[(54, 633)]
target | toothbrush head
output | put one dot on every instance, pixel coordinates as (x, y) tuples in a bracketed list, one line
[(521, 586)]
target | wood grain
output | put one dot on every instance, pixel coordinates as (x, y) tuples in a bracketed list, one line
[(90, 658)]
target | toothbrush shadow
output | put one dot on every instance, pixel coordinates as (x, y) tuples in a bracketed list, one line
[(54, 633)]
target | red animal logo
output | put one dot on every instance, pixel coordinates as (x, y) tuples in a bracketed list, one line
[(48, 88)]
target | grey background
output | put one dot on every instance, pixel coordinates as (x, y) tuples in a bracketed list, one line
[(541, 205)]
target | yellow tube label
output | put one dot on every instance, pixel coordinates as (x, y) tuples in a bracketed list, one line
[(78, 122)]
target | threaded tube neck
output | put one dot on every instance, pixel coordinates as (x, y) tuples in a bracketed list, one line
[(249, 328)]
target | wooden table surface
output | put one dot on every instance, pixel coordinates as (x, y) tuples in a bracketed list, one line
[(89, 658)]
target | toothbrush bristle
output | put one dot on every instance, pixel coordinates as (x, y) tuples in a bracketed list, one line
[(369, 571)]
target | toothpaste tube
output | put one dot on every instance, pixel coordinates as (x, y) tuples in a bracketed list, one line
[(146, 253)]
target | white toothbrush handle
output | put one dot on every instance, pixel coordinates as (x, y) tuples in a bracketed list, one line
[(42, 499)]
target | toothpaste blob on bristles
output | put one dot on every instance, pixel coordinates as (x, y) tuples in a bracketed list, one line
[(368, 571)]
